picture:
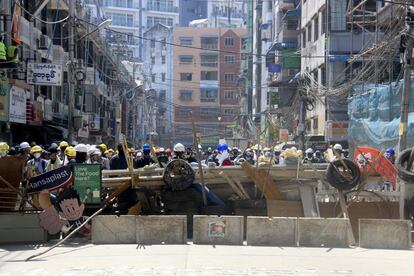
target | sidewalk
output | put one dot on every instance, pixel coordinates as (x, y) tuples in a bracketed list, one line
[(88, 259)]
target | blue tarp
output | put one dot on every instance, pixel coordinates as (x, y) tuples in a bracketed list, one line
[(374, 115)]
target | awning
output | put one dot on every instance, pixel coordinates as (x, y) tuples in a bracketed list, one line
[(290, 14)]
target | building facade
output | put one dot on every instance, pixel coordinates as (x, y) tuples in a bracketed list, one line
[(38, 111), (192, 10), (205, 82)]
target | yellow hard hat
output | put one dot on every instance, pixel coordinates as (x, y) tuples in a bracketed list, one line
[(131, 150), (36, 149), (103, 147), (63, 144), (4, 147), (70, 152)]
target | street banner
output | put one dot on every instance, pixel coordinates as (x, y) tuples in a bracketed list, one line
[(16, 23), (50, 181), (17, 105), (87, 182), (44, 74), (365, 157)]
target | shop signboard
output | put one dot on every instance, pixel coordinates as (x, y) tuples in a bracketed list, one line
[(17, 105), (44, 74), (4, 101), (87, 182)]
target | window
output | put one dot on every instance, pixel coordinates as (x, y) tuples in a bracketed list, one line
[(229, 94), (152, 43), (186, 76), (309, 31), (228, 41), (152, 60), (229, 59), (153, 20), (186, 59), (228, 112), (119, 3), (186, 41), (209, 42), (304, 39), (323, 23), (183, 111), (208, 95), (163, 94), (163, 77), (153, 77), (120, 19), (316, 29), (209, 75), (315, 123), (209, 112), (186, 95), (161, 5), (163, 59), (209, 60), (228, 77)]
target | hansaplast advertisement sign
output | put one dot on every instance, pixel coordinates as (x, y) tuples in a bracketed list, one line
[(50, 181), (44, 73)]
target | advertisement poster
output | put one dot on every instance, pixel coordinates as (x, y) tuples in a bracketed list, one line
[(37, 113), (87, 182), (84, 130), (50, 181), (44, 74), (4, 102), (17, 105)]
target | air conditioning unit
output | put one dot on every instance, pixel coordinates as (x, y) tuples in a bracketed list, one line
[(44, 42)]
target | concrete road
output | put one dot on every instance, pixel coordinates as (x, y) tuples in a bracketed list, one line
[(87, 259)]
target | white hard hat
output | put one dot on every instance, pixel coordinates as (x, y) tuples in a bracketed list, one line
[(97, 152), (293, 148), (179, 147), (338, 147), (309, 150), (91, 150), (162, 149), (81, 148), (266, 149), (24, 145)]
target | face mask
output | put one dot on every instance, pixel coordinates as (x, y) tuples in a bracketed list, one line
[(37, 155)]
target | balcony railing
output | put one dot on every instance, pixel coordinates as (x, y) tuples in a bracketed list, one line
[(161, 8)]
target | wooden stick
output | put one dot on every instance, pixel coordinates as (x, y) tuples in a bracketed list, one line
[(18, 192), (108, 201)]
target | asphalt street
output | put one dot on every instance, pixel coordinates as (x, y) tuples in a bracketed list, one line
[(88, 259)]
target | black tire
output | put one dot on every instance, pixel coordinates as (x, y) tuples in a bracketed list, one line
[(339, 181), (178, 175), (401, 165)]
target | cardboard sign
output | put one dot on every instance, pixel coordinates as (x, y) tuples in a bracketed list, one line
[(50, 181), (87, 182), (364, 157)]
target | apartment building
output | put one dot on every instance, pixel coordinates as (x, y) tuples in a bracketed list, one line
[(226, 14), (37, 111), (205, 82), (192, 10), (158, 73)]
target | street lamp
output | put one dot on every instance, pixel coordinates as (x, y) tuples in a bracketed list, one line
[(101, 25)]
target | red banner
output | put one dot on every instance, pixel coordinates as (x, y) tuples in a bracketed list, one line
[(365, 157)]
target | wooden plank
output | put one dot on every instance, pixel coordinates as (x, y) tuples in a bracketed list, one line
[(264, 182)]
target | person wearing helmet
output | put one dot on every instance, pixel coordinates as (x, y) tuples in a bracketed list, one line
[(319, 157), (4, 149), (70, 156), (309, 156), (37, 165), (62, 146), (94, 156), (163, 158), (337, 151), (108, 154), (248, 156), (54, 162), (118, 161), (266, 158), (179, 151), (25, 150), (81, 153), (390, 155), (145, 159), (168, 152)]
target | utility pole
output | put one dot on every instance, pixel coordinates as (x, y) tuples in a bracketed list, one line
[(71, 84), (405, 100)]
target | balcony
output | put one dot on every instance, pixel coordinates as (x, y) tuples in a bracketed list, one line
[(161, 8)]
